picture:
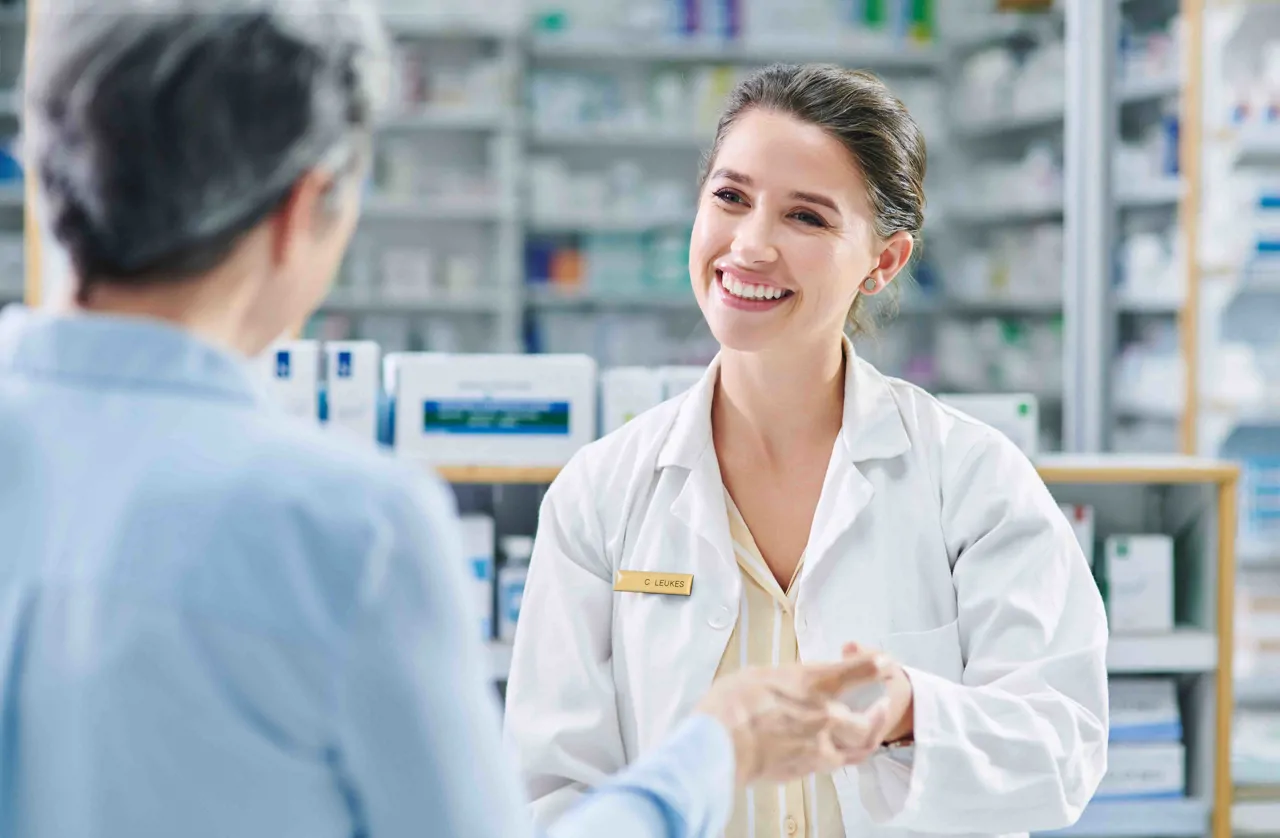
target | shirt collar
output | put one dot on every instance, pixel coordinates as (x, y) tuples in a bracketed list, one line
[(872, 426), (120, 351)]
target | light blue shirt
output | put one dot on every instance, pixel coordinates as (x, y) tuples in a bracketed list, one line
[(217, 622)]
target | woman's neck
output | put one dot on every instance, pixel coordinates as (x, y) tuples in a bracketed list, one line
[(780, 402)]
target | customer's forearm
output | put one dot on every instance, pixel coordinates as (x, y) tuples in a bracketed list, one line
[(682, 790)]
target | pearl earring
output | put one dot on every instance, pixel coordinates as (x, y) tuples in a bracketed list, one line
[(870, 284)]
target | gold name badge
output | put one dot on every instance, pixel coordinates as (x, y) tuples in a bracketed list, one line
[(641, 582)]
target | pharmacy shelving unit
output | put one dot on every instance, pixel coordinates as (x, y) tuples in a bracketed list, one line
[(976, 216), (1233, 157), (1150, 204), (489, 229), (1188, 498), (1193, 500)]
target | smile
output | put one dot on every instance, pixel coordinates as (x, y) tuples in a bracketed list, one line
[(749, 296)]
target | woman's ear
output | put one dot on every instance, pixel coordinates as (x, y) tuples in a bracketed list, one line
[(894, 256)]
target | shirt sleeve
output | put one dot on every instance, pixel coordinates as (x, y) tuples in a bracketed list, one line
[(683, 789)]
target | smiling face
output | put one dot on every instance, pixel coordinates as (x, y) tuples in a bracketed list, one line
[(785, 236)]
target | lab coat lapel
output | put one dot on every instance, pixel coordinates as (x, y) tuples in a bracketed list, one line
[(872, 429), (700, 503)]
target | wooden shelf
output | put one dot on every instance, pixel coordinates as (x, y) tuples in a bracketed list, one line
[(1155, 471), (499, 475)]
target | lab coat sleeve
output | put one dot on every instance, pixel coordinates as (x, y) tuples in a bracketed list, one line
[(1020, 743), (562, 713), (418, 746)]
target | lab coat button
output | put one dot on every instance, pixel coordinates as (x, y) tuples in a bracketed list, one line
[(721, 618)]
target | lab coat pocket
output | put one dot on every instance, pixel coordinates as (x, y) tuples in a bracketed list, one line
[(936, 650)]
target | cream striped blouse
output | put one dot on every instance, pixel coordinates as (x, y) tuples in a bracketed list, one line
[(765, 635)]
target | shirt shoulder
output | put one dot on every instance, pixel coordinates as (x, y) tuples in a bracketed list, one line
[(301, 528)]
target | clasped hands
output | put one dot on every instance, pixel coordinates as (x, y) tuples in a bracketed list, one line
[(789, 721)]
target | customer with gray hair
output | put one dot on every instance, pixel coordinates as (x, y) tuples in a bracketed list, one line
[(214, 621)]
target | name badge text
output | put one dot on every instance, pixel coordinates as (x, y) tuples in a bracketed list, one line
[(644, 582)]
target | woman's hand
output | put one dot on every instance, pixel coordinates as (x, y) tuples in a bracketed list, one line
[(899, 723), (787, 722)]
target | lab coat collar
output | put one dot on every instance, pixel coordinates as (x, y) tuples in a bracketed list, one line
[(120, 351), (872, 426)]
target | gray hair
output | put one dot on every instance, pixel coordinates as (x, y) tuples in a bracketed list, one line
[(163, 130)]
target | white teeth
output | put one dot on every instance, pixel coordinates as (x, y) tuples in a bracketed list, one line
[(749, 292)]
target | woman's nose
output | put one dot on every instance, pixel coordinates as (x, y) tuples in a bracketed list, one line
[(753, 240)]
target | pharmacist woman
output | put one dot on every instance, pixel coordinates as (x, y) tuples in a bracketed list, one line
[(215, 621), (809, 502)]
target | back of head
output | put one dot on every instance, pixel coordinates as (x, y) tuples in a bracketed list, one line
[(162, 130)]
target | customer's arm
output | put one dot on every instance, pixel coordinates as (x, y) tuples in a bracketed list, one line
[(419, 748)]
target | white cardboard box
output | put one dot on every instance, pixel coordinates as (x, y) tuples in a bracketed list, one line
[(290, 373), (493, 410), (1016, 415), (1144, 710), (1144, 770), (1139, 575), (352, 383), (625, 393)]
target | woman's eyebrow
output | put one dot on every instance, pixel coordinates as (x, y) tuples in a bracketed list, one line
[(807, 197)]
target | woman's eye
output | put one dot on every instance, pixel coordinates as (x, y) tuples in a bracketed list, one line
[(728, 196), (809, 218)]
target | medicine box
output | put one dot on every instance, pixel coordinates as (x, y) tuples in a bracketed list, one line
[(1016, 415), (1147, 770), (1138, 575), (625, 393), (517, 551), (1144, 710), (1081, 518), (290, 373), (493, 410), (352, 385), (477, 545)]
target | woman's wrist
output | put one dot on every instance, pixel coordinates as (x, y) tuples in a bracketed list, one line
[(902, 698)]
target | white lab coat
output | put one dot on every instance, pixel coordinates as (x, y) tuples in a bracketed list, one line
[(934, 539)]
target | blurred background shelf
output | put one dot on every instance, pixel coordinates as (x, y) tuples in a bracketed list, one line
[(433, 208), (1185, 818), (1185, 651), (874, 57), (1256, 817), (612, 137), (448, 27), (441, 303), (550, 298), (1044, 116), (1138, 90), (451, 118), (11, 196)]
